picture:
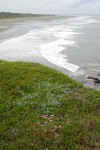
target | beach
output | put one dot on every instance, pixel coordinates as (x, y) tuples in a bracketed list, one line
[(69, 44)]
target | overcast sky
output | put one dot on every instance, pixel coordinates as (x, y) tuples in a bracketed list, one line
[(51, 6)]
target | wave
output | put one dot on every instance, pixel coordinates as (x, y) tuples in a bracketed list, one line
[(52, 52), (20, 48)]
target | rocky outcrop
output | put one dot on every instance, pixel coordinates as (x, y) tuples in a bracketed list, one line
[(95, 80)]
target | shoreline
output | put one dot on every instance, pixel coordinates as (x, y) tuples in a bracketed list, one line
[(87, 83), (44, 17), (8, 24), (40, 59)]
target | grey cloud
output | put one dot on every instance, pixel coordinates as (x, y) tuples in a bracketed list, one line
[(51, 6)]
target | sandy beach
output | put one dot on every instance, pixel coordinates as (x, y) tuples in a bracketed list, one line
[(11, 21)]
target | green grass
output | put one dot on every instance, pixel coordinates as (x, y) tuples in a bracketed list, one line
[(43, 109)]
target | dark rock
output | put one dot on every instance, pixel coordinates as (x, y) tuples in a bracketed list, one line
[(95, 80), (92, 78)]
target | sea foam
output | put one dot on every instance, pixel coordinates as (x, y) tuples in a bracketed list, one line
[(52, 52)]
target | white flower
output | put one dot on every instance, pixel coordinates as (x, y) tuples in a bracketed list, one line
[(38, 123), (51, 115), (42, 125)]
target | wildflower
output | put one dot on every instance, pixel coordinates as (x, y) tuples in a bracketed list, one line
[(38, 123), (42, 125), (57, 135), (44, 129), (42, 116), (45, 117), (53, 130), (51, 115)]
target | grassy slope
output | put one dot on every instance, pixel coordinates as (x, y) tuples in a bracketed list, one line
[(42, 108)]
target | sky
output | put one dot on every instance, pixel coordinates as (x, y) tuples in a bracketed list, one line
[(51, 6)]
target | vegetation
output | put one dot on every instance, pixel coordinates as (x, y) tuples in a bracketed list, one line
[(43, 109), (4, 15)]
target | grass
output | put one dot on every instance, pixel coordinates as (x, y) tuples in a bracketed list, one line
[(43, 109)]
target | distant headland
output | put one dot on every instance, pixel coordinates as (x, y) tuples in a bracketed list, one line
[(4, 15)]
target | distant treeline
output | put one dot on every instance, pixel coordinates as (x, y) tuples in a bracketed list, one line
[(16, 15)]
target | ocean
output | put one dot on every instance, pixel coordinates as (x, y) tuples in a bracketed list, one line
[(70, 44)]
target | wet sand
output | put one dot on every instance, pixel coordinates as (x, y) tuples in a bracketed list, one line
[(9, 22), (7, 25)]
